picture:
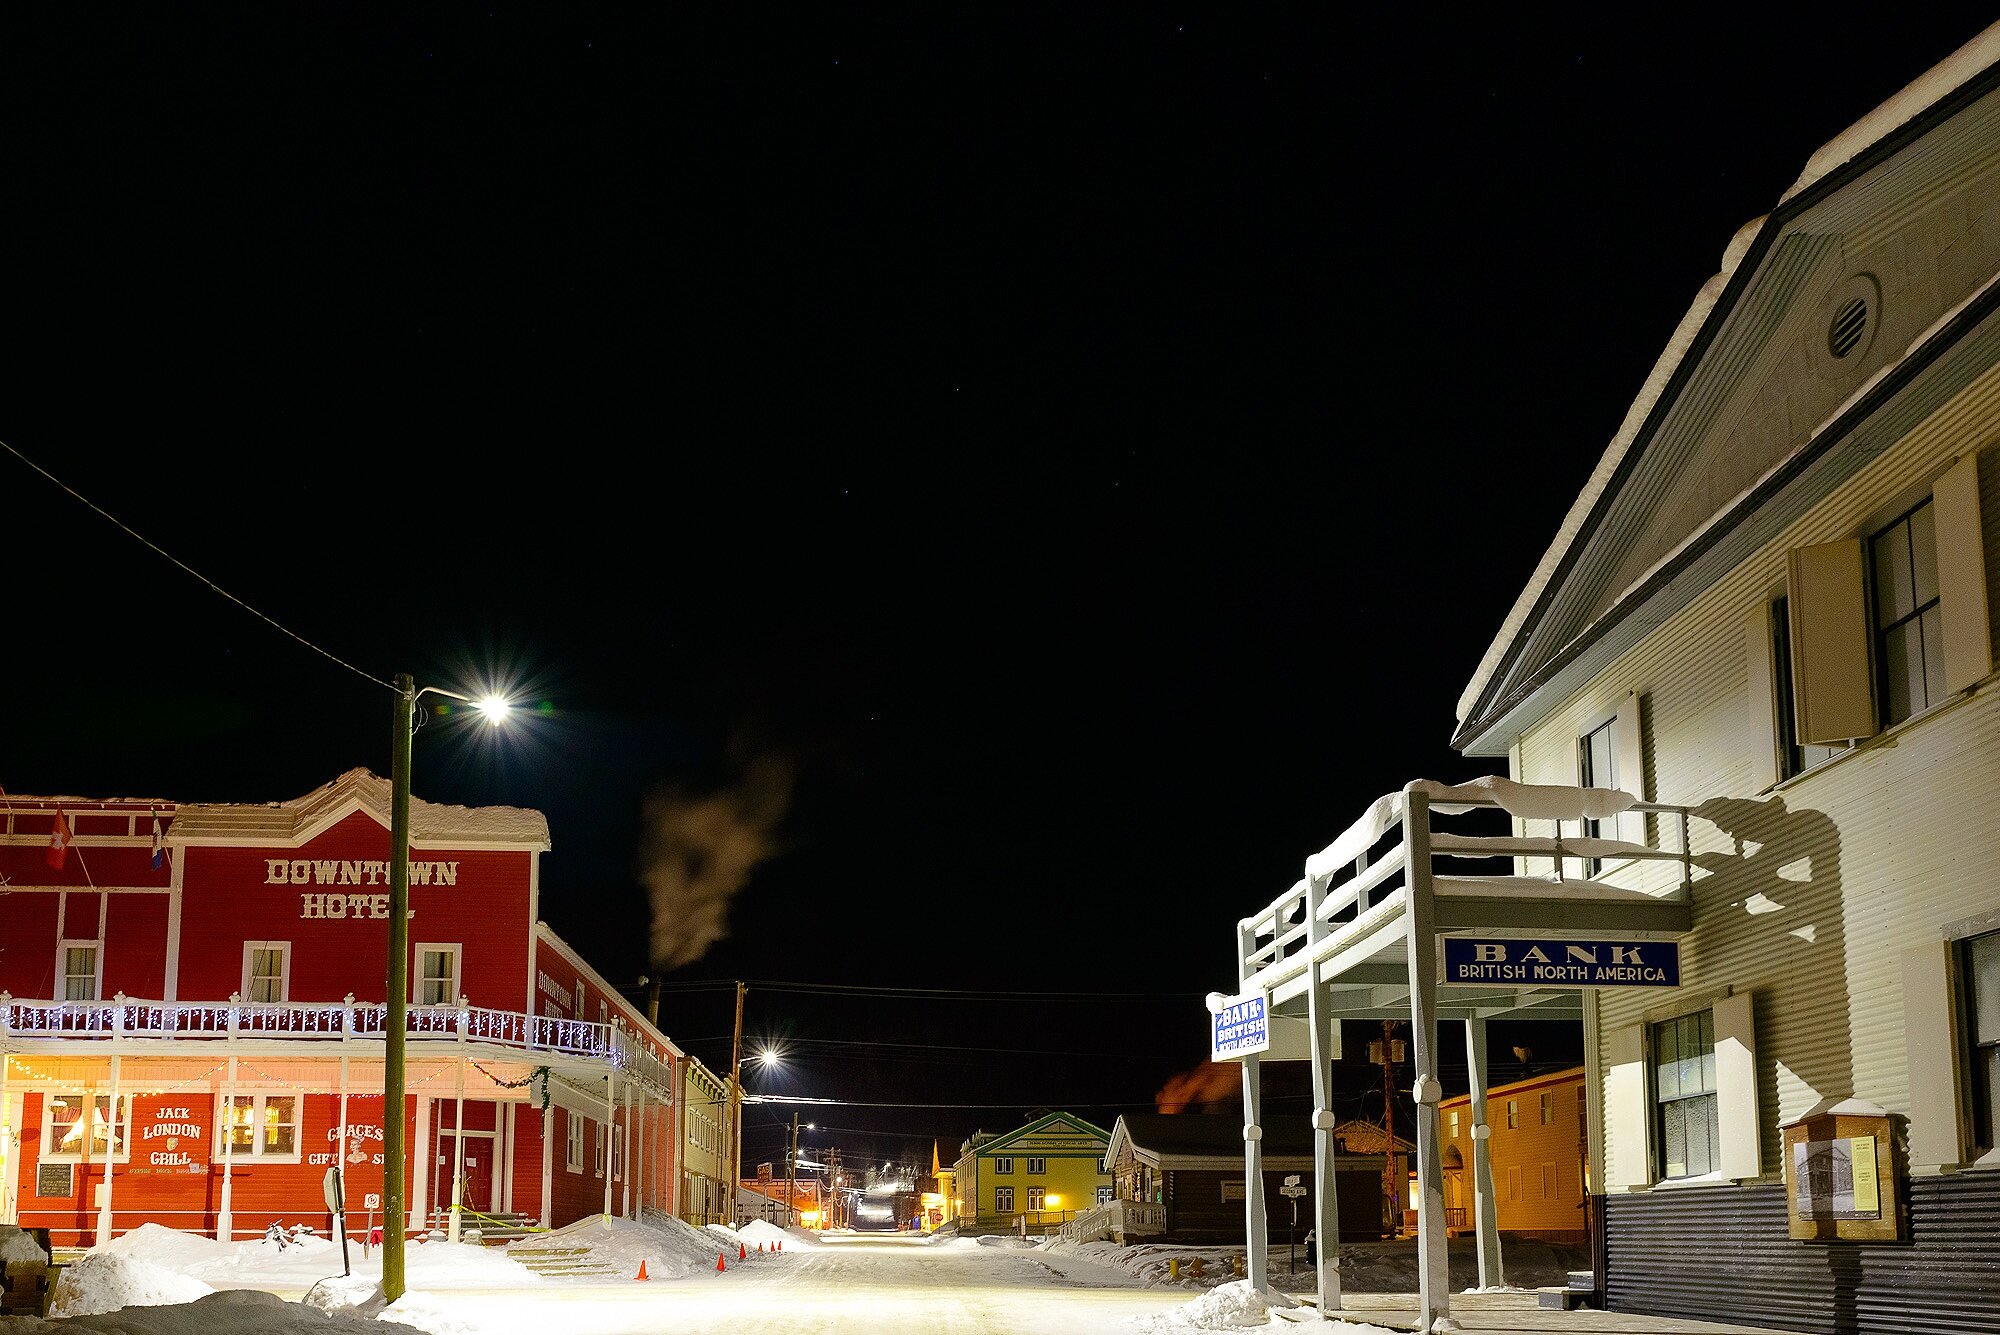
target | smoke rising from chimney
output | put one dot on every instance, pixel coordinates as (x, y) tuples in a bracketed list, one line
[(1208, 1083), (699, 850)]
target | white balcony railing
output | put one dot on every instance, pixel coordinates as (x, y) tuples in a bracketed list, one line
[(133, 1021), (1119, 1221)]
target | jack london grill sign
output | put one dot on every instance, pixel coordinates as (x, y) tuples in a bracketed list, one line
[(1562, 963)]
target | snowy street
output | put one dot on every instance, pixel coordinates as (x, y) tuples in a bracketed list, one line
[(859, 1286)]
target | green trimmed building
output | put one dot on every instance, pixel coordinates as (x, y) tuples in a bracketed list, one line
[(1034, 1178)]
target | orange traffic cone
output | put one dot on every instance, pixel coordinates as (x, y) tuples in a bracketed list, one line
[(642, 1269), (760, 1249), (719, 1267), (742, 1252)]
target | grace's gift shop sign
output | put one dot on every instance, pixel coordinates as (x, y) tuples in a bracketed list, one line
[(1242, 1026), (345, 872), (1470, 959)]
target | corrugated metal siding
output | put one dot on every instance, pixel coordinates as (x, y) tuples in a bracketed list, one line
[(1944, 1281), (1812, 897)]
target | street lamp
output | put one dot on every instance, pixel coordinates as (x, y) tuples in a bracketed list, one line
[(393, 1150)]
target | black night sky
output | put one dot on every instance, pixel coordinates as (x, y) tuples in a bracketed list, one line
[(1037, 471)]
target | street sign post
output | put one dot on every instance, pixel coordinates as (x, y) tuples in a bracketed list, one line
[(1293, 1190)]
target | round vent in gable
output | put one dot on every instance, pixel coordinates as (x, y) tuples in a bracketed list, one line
[(1852, 312)]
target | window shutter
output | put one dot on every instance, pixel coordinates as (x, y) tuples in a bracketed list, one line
[(1627, 1109), (1833, 690), (1740, 1138), (1629, 744), (1961, 568), (1937, 1117), (1761, 706)]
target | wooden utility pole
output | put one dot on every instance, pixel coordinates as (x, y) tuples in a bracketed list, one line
[(736, 1108)]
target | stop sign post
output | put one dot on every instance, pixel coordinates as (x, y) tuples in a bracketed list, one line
[(336, 1201)]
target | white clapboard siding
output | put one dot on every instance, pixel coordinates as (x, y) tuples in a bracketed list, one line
[(1822, 889)]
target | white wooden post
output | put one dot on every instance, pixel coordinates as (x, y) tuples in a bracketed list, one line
[(420, 1173), (1257, 1239), (636, 1151), (610, 1132), (1485, 1208), (1420, 932), (626, 1148), (111, 1132), (1326, 1200), (457, 1151), (225, 1229), (548, 1163), (9, 1150)]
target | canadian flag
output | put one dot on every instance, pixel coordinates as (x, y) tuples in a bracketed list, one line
[(59, 842)]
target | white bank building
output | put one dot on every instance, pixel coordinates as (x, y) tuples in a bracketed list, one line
[(1751, 724)]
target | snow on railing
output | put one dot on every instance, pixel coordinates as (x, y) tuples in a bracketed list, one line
[(134, 1018), (1344, 880)]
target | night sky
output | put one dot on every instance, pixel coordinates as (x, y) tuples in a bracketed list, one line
[(1022, 479)]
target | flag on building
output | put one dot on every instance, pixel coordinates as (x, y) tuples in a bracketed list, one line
[(159, 846), (59, 842)]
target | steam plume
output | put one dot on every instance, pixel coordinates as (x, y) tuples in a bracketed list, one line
[(1210, 1082), (699, 850)]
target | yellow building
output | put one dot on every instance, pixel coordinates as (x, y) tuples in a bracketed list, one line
[(1537, 1149), (704, 1157), (1034, 1178)]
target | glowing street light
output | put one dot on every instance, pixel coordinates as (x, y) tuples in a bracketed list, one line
[(394, 1020)]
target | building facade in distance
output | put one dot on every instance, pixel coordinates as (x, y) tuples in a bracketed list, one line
[(1034, 1176), (1537, 1141)]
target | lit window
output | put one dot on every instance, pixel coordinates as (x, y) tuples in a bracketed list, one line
[(1982, 1000), (261, 1126), (1513, 1114), (67, 1132), (1037, 1197), (266, 970), (1909, 636), (1548, 1107), (437, 975), (1454, 1121), (79, 970), (1684, 1088)]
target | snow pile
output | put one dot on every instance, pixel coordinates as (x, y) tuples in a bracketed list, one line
[(670, 1248), (764, 1231), (237, 1312), (19, 1250), (1238, 1306), (105, 1282), (306, 1261)]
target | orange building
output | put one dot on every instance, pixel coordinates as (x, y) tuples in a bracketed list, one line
[(1537, 1146)]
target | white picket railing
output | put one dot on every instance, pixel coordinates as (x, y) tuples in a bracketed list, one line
[(124, 1019), (1120, 1220)]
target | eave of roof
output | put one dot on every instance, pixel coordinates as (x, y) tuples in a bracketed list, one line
[(1954, 83)]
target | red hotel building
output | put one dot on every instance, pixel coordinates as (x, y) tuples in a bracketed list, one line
[(191, 1024)]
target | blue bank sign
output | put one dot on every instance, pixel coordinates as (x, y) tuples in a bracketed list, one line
[(1472, 959), (1241, 1027)]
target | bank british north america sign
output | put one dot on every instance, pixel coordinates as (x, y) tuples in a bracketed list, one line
[(1561, 963)]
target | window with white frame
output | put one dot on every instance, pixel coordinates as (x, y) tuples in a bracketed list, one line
[(603, 1013), (1597, 767), (1454, 1121), (600, 1148), (261, 1126), (1549, 1187), (1548, 1107), (1684, 1091), (1981, 971), (1003, 1164), (1104, 1195), (267, 970), (72, 1123), (618, 1152), (1513, 1114), (1908, 627), (1003, 1200), (579, 1001), (1038, 1198), (82, 967), (573, 1143), (437, 974), (1037, 1165)]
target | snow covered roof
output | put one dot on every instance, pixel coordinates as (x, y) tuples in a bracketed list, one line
[(1848, 153), (298, 819)]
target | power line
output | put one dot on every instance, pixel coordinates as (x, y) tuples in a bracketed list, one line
[(273, 622), (943, 993)]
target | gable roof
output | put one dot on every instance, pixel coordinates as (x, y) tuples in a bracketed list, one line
[(1770, 259), (1041, 1123), (1213, 1140), (298, 820)]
